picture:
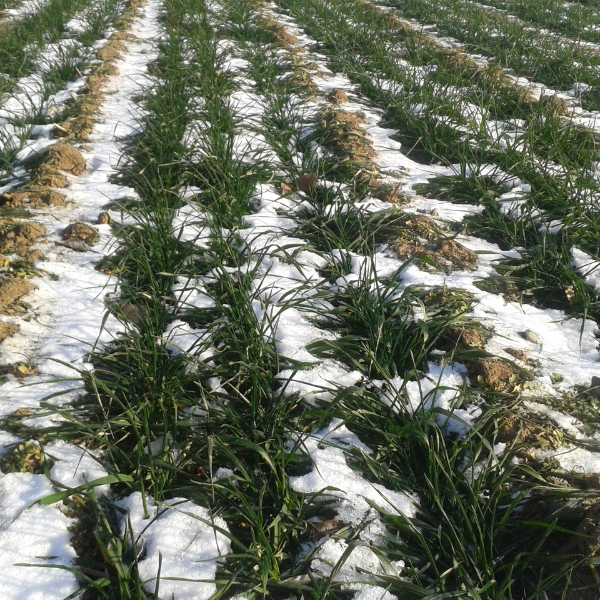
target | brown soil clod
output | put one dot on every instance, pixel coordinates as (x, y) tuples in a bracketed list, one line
[(494, 372), (458, 255), (466, 338), (518, 354), (37, 198), (27, 457), (448, 254), (556, 105), (53, 199), (51, 178), (111, 51), (123, 36), (66, 158), (337, 96), (80, 231), (407, 248), (343, 120), (387, 192), (590, 528), (423, 227), (29, 231), (13, 290), (307, 183), (522, 434), (104, 218), (20, 238), (23, 371), (346, 137), (280, 33), (7, 330)]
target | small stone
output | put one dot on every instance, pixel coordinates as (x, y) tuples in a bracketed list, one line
[(77, 245), (530, 336)]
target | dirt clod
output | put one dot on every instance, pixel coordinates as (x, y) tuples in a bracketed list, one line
[(344, 134), (466, 338), (518, 354), (19, 239), (494, 372), (7, 330), (388, 192), (589, 527), (80, 231), (306, 183), (104, 218), (458, 255), (66, 158), (337, 96), (36, 197), (423, 227), (51, 178), (346, 121), (448, 254), (556, 105), (522, 434), (29, 231), (123, 36), (280, 33), (27, 457), (12, 290), (110, 51)]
